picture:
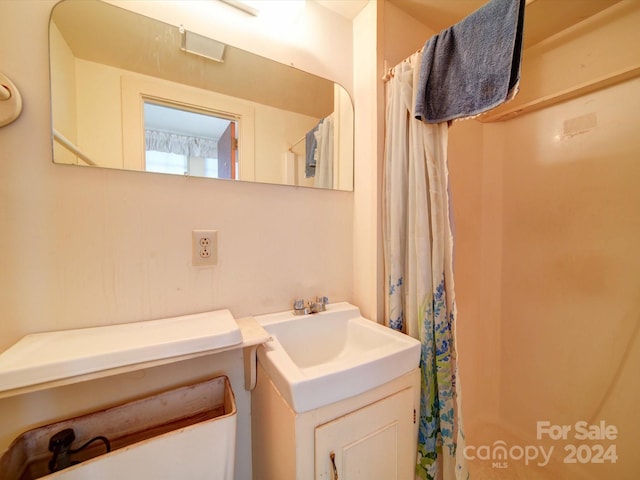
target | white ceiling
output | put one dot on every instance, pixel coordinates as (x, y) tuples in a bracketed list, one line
[(347, 8)]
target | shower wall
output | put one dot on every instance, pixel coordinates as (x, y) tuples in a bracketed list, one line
[(547, 224), (547, 227), (570, 284)]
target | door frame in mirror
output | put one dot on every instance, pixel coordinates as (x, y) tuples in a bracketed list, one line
[(136, 90)]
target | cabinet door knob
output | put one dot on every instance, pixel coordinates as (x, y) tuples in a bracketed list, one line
[(332, 456)]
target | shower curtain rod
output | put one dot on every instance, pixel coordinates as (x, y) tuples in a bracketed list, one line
[(389, 72), (296, 143), (66, 143)]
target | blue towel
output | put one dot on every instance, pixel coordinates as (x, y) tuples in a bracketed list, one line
[(310, 153), (474, 65)]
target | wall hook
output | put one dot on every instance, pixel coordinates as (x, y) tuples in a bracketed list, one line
[(10, 101)]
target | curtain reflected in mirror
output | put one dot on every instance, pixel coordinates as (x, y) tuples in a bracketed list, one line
[(140, 101), (183, 142)]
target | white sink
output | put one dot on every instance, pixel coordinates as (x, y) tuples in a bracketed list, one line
[(318, 359)]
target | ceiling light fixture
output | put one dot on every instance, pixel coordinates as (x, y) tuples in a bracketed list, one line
[(244, 6), (202, 46)]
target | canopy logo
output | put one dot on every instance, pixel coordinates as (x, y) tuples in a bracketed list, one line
[(500, 453)]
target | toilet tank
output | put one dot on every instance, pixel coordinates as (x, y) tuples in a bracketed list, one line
[(188, 432)]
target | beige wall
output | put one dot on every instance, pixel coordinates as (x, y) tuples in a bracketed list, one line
[(367, 257), (402, 35), (82, 247), (99, 110), (276, 130), (63, 87)]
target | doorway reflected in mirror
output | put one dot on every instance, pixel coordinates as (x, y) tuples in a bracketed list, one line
[(185, 142)]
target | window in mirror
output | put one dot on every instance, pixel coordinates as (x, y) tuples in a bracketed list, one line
[(186, 142)]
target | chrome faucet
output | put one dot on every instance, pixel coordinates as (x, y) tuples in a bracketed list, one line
[(320, 304), (302, 307)]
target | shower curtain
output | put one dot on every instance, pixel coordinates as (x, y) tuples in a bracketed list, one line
[(418, 249)]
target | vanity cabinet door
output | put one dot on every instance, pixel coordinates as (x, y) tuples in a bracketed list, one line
[(375, 442)]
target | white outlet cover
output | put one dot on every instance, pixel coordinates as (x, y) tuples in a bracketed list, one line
[(204, 248)]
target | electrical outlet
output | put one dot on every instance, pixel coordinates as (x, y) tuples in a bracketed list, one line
[(204, 246)]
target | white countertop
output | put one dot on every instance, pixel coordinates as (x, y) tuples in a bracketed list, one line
[(45, 360)]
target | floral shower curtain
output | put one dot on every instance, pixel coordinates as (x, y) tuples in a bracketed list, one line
[(418, 248)]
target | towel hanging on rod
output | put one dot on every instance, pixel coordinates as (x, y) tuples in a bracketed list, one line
[(389, 72), (472, 66)]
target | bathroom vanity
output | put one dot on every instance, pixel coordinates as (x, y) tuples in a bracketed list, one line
[(336, 397), (371, 436)]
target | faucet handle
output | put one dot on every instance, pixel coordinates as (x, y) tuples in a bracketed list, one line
[(300, 307), (319, 305), (322, 300)]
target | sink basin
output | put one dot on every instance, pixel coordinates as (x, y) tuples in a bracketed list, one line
[(318, 359)]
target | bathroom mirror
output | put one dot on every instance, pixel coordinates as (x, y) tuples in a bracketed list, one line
[(131, 92)]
